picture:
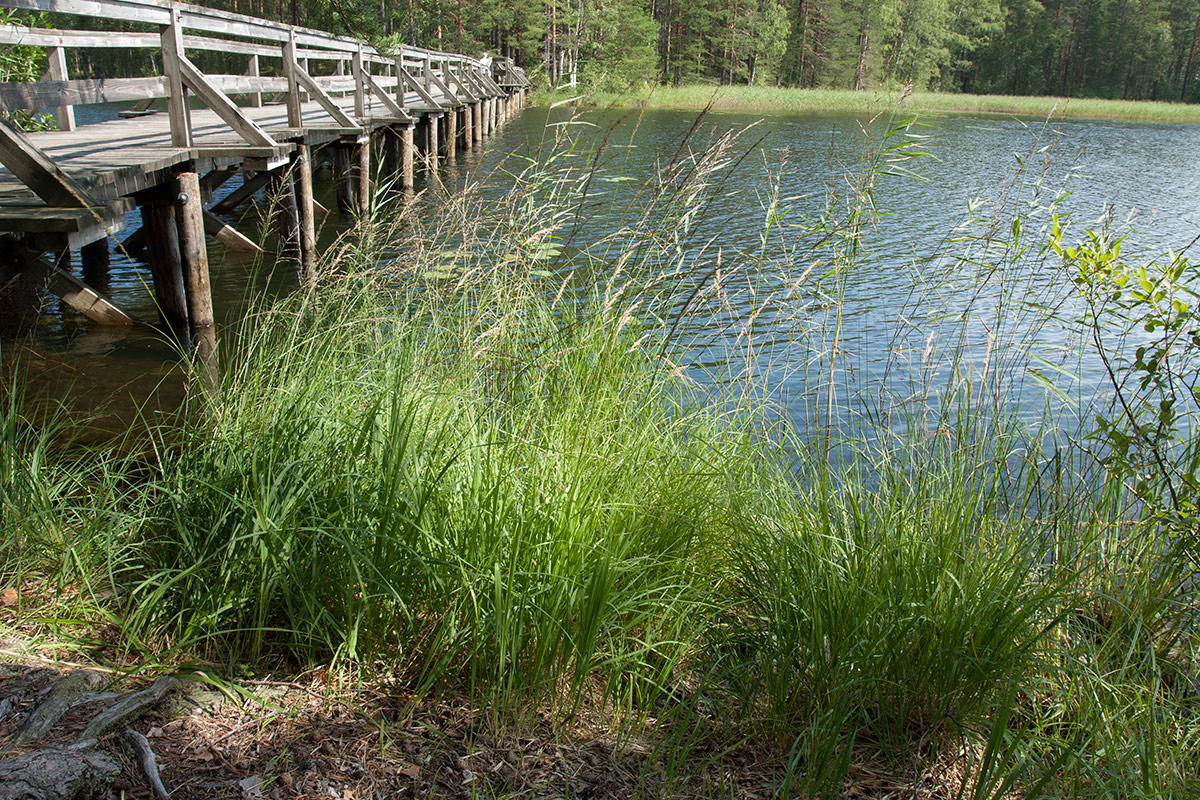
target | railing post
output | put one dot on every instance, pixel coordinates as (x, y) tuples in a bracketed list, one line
[(252, 71), (177, 105), (401, 88), (58, 72), (295, 117), (360, 88), (426, 73)]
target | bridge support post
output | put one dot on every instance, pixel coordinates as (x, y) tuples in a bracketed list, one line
[(192, 250), (286, 213), (406, 158), (302, 165), (166, 265), (390, 140), (344, 185), (94, 258), (477, 123), (432, 152), (364, 175), (451, 135)]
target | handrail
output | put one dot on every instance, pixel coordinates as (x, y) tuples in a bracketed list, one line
[(228, 32)]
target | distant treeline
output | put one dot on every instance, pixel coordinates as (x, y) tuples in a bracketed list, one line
[(1122, 49)]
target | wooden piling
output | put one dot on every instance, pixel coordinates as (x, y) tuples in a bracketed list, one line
[(451, 135), (406, 158), (166, 267), (286, 213), (94, 258), (302, 167), (477, 123), (189, 217), (432, 144), (364, 176), (343, 179), (390, 140)]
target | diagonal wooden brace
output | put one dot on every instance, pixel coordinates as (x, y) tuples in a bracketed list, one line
[(416, 85), (35, 170), (220, 103), (391, 105)]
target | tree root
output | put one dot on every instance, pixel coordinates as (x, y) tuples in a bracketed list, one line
[(85, 768)]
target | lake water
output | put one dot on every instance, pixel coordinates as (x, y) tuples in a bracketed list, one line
[(878, 327)]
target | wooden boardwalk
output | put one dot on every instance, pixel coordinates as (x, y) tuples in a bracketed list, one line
[(69, 189)]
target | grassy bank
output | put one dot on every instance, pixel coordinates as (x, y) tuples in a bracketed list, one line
[(768, 100), (488, 470)]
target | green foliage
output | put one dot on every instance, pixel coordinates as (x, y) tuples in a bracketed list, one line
[(620, 49), (23, 63), (1150, 432)]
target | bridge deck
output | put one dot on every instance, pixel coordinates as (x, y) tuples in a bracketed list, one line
[(121, 156)]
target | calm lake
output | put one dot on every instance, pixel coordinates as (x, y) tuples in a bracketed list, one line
[(934, 283)]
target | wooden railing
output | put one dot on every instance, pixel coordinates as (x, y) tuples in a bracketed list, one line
[(437, 79)]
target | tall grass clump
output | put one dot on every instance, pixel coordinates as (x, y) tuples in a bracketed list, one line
[(451, 461)]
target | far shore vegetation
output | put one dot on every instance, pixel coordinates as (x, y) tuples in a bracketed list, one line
[(776, 100)]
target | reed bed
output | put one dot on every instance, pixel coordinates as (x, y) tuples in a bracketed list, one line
[(775, 100), (484, 465)]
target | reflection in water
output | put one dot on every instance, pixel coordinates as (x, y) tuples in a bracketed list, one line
[(872, 323)]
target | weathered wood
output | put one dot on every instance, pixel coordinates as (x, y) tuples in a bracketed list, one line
[(44, 94), (285, 213), (246, 84), (33, 169), (344, 185), (477, 123), (88, 301), (215, 179), (441, 86), (451, 135), (302, 168), (431, 144), (291, 67), (412, 83), (193, 251), (94, 259), (43, 219), (406, 158), (228, 235), (162, 245), (321, 96), (360, 92), (224, 108), (364, 177), (56, 59), (388, 103), (250, 187), (252, 70), (172, 57)]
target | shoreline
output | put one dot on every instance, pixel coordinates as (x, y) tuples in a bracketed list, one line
[(770, 100)]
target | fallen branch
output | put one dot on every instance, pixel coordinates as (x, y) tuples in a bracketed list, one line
[(146, 760)]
